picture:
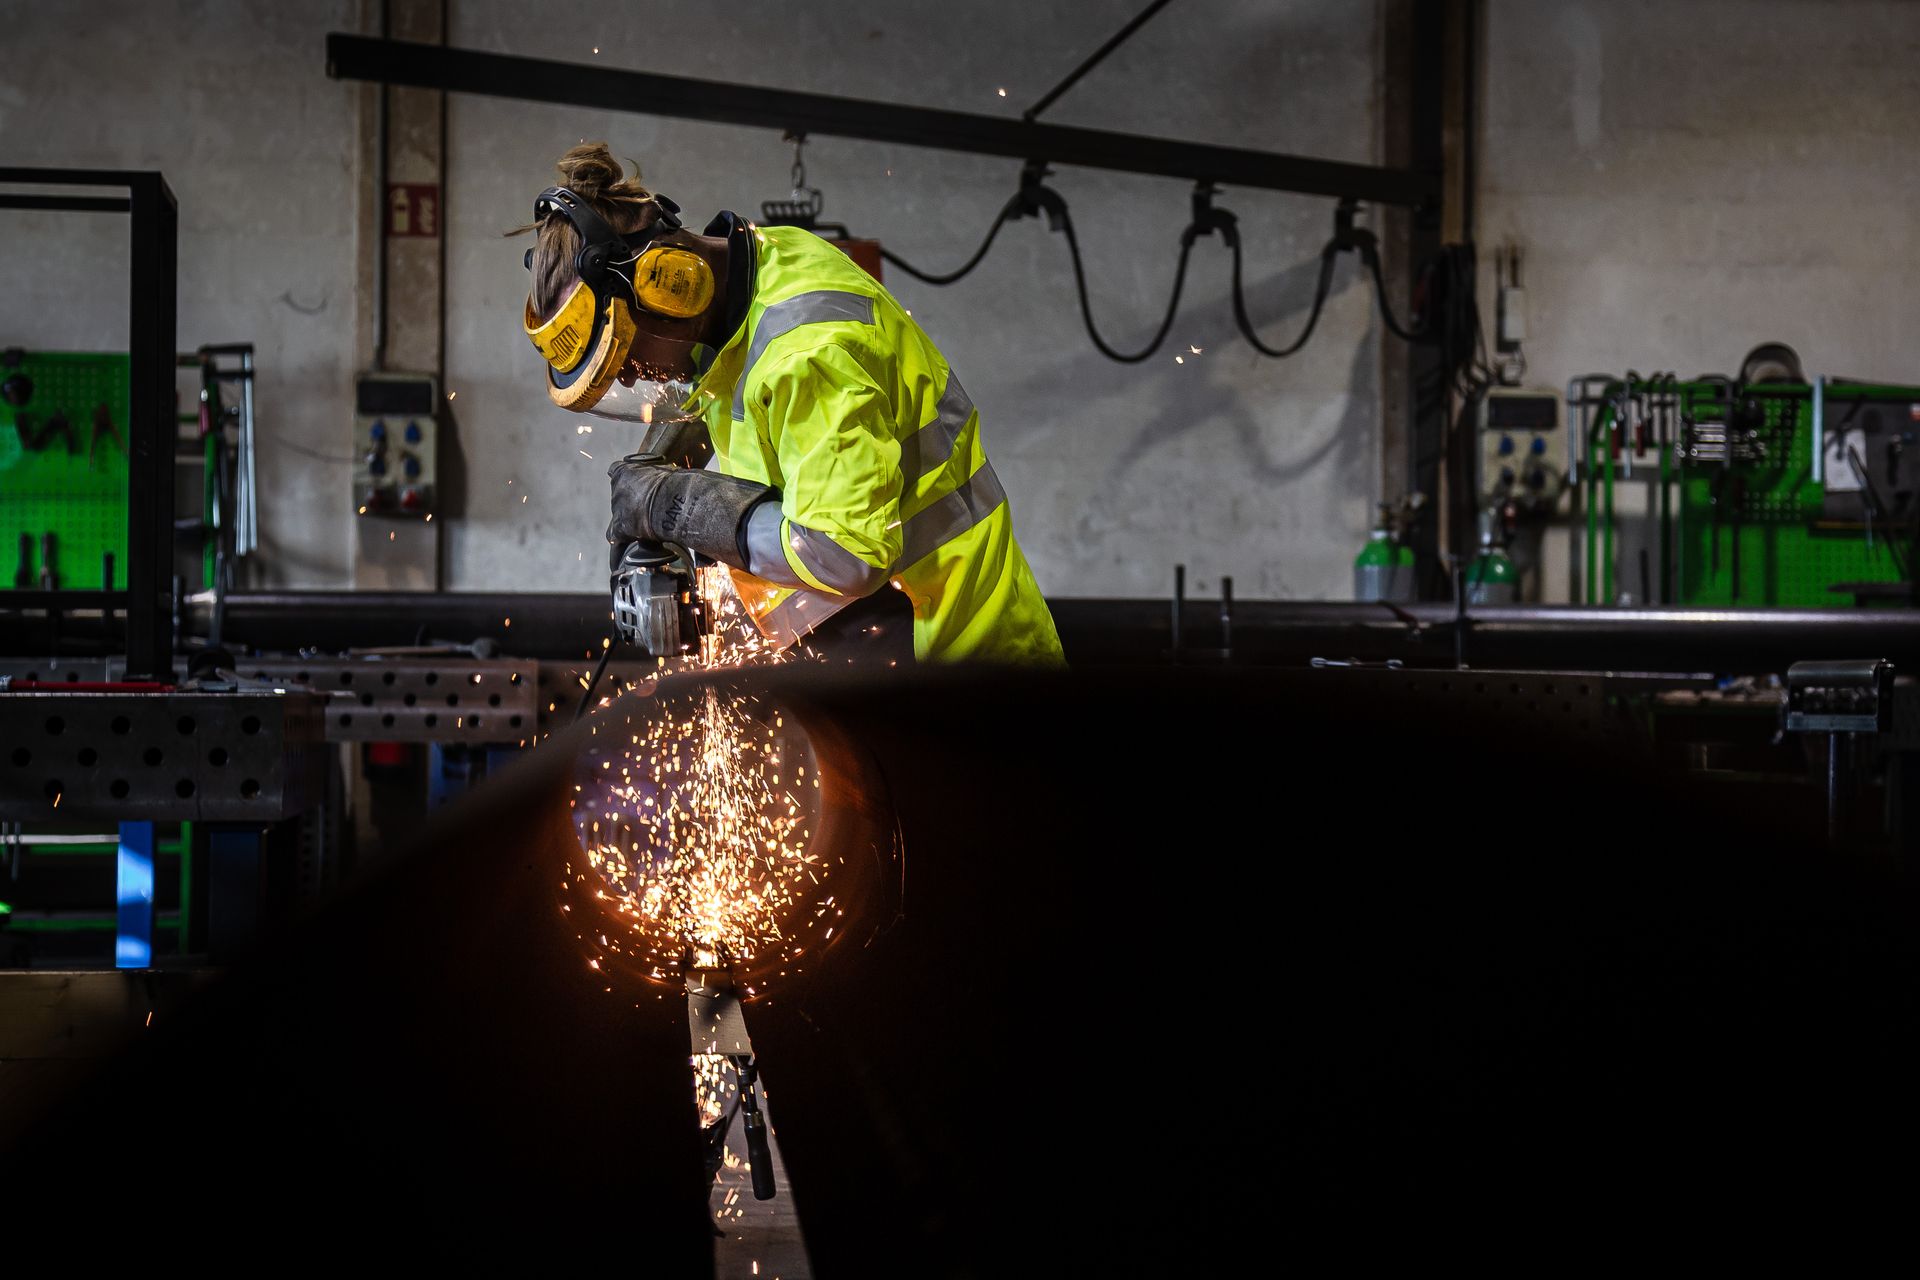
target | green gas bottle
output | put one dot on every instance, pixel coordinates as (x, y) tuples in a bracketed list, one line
[(1384, 568), (1491, 577)]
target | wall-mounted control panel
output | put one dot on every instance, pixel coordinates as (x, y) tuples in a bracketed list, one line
[(1520, 449), (395, 444)]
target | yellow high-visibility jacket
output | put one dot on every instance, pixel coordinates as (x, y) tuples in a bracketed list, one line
[(830, 393)]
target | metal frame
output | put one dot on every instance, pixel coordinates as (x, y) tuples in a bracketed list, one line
[(152, 316), (214, 756), (424, 66)]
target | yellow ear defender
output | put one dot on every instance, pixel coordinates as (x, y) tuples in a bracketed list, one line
[(587, 338), (673, 282)]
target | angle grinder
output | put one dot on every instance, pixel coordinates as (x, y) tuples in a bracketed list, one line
[(656, 607)]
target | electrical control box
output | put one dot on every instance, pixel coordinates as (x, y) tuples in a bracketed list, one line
[(395, 445), (1520, 449)]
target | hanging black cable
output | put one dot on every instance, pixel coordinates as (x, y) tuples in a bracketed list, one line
[(1322, 287), (1450, 320), (1372, 259), (1007, 212), (1086, 308), (593, 682)]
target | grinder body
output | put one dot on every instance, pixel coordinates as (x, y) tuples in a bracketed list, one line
[(655, 606)]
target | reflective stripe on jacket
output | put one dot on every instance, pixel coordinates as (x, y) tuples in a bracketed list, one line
[(832, 394)]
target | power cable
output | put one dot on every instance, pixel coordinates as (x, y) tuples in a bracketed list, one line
[(1086, 308), (1322, 287), (1007, 211), (1455, 321), (1372, 259)]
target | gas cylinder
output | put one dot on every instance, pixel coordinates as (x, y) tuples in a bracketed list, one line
[(1384, 568), (1491, 577)]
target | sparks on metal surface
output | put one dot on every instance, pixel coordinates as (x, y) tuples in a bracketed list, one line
[(696, 820)]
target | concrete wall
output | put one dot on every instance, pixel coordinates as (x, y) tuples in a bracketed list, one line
[(231, 102), (1687, 180), (1226, 462)]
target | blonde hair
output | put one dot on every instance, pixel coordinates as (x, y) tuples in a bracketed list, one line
[(590, 172)]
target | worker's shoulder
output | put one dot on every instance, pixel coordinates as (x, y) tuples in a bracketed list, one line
[(795, 261)]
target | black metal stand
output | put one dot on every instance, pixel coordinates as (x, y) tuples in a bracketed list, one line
[(1839, 786), (150, 427)]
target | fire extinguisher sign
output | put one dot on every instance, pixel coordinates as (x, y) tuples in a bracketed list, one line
[(413, 209)]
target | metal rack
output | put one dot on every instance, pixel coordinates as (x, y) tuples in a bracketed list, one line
[(152, 305)]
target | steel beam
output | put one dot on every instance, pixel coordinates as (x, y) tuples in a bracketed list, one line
[(351, 57), (68, 204)]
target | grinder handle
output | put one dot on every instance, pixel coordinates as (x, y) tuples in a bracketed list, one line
[(759, 1156), (636, 554)]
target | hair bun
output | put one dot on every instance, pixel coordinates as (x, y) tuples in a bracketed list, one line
[(589, 169)]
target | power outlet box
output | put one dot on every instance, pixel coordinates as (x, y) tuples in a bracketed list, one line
[(396, 440), (1519, 430)]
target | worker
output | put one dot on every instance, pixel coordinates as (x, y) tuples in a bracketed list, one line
[(847, 487)]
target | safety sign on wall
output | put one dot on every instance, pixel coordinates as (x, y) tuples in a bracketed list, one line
[(413, 209)]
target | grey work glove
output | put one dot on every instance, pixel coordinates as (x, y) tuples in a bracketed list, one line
[(702, 511)]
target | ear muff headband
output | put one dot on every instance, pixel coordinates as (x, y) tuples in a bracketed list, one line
[(682, 283), (586, 340)]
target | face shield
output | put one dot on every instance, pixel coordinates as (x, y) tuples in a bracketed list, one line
[(588, 340), (648, 401)]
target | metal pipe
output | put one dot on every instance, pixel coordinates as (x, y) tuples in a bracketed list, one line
[(1226, 618), (382, 128), (1179, 607), (1133, 631), (249, 481), (1606, 479), (1836, 790)]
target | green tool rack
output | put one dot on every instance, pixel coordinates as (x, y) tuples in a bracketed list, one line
[(1751, 532), (74, 483)]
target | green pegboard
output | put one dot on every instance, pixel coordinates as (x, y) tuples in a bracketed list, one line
[(75, 483), (1787, 555)]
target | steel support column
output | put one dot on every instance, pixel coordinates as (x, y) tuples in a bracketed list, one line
[(150, 428), (1428, 397)]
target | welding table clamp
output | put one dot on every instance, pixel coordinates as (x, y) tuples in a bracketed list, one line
[(1840, 699)]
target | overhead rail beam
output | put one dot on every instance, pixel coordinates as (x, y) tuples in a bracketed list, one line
[(422, 66)]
